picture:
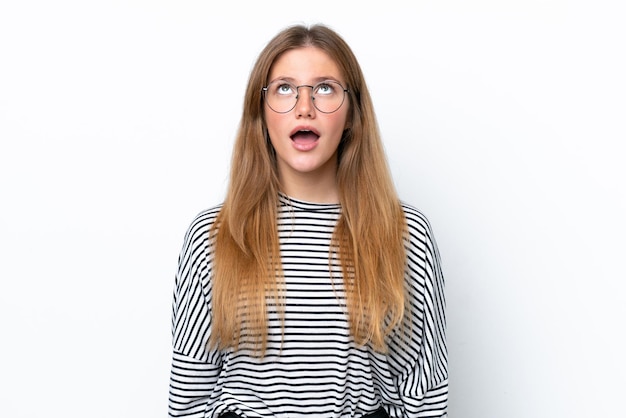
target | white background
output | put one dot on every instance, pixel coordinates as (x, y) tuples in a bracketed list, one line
[(503, 122)]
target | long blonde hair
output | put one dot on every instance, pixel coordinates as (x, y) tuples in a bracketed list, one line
[(369, 235)]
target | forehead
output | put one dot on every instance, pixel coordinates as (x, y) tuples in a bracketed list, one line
[(305, 64)]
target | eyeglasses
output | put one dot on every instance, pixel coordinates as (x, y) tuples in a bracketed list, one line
[(282, 96)]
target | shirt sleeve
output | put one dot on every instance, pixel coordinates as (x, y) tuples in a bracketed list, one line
[(419, 353), (195, 367)]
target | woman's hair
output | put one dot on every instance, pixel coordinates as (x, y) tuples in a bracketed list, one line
[(369, 237)]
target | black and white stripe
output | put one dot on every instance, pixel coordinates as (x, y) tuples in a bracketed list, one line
[(314, 369)]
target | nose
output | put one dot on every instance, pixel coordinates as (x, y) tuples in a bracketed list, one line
[(304, 102)]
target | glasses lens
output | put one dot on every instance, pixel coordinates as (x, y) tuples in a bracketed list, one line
[(281, 96), (327, 96)]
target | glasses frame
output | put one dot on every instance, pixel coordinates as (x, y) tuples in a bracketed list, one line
[(312, 87)]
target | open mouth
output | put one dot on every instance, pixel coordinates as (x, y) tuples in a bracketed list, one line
[(304, 137)]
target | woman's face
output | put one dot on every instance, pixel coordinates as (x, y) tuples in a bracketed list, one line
[(305, 139)]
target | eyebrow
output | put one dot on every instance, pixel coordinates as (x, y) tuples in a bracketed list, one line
[(315, 80)]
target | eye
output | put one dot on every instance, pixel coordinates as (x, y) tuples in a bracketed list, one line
[(284, 89), (324, 89)]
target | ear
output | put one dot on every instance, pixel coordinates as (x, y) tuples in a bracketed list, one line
[(347, 133), (266, 134), (348, 125)]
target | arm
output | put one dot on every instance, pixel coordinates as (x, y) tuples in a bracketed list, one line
[(195, 368), (191, 386), (421, 362)]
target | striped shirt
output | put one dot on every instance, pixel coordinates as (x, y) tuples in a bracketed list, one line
[(314, 369)]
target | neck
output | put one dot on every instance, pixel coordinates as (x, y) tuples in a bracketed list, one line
[(321, 188)]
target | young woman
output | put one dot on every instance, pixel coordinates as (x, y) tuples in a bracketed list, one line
[(312, 291)]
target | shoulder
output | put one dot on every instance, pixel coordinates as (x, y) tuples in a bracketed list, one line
[(420, 237), (417, 223), (204, 220), (200, 225), (424, 261)]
